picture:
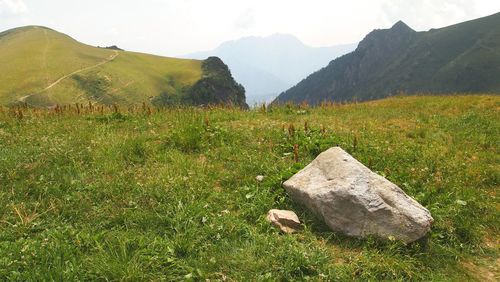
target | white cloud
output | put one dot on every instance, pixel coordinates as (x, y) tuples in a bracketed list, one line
[(12, 7)]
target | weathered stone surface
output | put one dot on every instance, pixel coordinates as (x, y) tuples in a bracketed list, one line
[(287, 221), (353, 200)]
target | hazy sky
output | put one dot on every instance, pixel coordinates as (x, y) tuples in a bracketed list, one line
[(173, 27)]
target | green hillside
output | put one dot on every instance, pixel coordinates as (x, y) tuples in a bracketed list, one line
[(171, 195), (463, 58), (43, 67)]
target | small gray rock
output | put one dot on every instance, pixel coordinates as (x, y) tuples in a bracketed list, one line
[(287, 221), (353, 200)]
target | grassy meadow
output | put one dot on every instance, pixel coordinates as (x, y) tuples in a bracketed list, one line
[(170, 194)]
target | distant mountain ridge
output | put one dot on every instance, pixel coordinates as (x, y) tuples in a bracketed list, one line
[(43, 67), (463, 58), (266, 66)]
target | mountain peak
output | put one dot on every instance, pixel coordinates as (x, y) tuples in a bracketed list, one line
[(401, 26), (28, 28), (283, 36), (397, 36), (388, 61), (277, 39)]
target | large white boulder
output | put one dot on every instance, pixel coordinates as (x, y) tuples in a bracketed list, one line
[(353, 200)]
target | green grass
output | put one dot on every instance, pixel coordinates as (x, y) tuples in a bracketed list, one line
[(33, 57), (173, 196)]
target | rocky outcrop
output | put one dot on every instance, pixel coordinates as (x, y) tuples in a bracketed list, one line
[(217, 86), (353, 200)]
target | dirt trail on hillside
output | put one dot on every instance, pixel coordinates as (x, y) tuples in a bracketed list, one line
[(112, 57)]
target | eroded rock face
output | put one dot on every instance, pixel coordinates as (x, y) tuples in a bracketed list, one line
[(287, 221), (353, 200), (217, 86)]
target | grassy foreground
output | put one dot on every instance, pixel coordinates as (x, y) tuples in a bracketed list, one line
[(171, 194)]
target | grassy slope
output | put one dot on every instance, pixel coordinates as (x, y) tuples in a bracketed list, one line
[(166, 196), (35, 57), (464, 56)]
